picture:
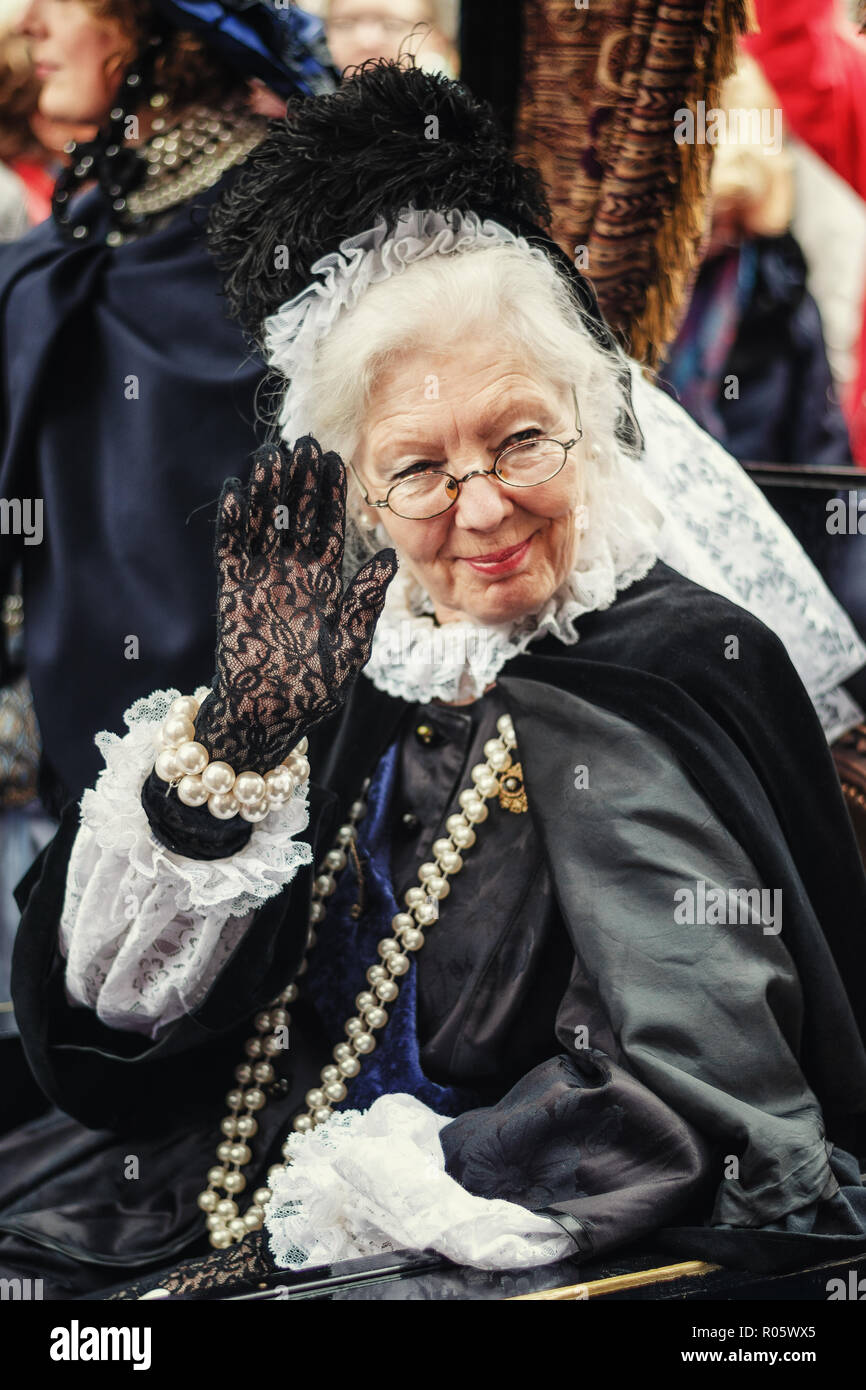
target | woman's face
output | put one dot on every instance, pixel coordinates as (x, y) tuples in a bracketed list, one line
[(79, 58), (500, 552)]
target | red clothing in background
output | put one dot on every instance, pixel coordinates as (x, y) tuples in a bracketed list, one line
[(39, 184), (816, 61)]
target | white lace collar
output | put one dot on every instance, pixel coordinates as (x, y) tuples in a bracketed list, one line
[(418, 661)]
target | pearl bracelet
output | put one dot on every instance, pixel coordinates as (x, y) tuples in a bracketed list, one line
[(186, 764)]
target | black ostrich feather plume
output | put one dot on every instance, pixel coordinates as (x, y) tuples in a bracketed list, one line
[(392, 136)]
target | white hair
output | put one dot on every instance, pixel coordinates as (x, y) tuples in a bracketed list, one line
[(436, 304)]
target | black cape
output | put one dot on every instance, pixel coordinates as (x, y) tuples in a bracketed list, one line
[(646, 690)]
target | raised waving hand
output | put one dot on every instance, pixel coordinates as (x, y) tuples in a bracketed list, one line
[(290, 639)]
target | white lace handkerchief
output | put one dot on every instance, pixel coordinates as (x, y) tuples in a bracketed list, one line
[(374, 1181)]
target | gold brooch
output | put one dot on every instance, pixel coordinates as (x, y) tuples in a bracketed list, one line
[(512, 792)]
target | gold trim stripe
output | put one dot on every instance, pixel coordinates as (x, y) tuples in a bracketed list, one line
[(617, 1283)]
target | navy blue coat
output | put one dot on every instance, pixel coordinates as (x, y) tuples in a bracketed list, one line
[(127, 399)]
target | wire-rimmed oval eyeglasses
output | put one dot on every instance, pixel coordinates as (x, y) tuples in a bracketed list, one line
[(529, 463)]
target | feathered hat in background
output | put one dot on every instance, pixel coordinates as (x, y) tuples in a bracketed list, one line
[(284, 47)]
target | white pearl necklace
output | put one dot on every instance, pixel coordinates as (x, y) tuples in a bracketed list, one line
[(225, 1224)]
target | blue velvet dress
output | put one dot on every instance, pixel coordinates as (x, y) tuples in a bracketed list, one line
[(345, 948)]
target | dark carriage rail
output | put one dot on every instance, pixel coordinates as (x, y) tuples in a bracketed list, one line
[(772, 475), (405, 1276)]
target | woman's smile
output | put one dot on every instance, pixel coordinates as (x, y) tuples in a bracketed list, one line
[(498, 562)]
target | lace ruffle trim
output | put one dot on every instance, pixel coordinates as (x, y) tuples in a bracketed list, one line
[(113, 814), (415, 659), (291, 334)]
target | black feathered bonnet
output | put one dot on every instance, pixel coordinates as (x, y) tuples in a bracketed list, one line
[(390, 138)]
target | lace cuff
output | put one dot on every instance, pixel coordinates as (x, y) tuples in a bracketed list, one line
[(145, 930), (371, 1182)]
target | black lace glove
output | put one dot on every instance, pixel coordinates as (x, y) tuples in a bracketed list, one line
[(290, 641), (243, 1268)]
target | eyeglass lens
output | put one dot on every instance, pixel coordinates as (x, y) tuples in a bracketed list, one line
[(527, 464)]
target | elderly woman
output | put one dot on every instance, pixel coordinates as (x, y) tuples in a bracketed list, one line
[(542, 935)]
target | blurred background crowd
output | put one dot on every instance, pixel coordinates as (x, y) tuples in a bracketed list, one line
[(783, 274)]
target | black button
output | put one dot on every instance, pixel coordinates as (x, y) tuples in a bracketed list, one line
[(426, 734)]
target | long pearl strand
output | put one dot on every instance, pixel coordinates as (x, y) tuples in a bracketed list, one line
[(224, 1222)]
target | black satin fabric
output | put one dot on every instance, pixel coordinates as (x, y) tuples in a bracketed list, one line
[(491, 980), (494, 978), (696, 1047)]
